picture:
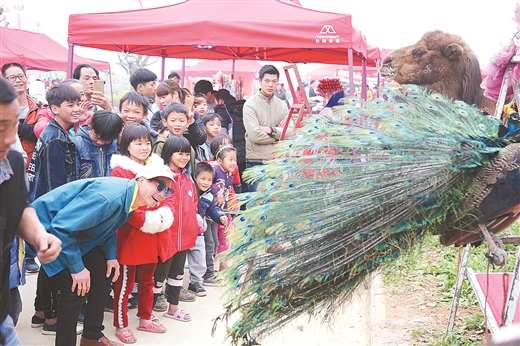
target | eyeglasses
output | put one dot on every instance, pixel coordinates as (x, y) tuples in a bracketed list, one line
[(161, 187), (21, 77)]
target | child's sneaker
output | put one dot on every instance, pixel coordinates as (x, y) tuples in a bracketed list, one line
[(211, 282), (197, 289), (37, 322), (186, 296), (160, 304)]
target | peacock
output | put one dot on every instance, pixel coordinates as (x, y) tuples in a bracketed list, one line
[(349, 193)]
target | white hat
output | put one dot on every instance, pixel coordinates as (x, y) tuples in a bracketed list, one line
[(154, 170)]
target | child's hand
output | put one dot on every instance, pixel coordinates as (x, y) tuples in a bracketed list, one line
[(191, 118), (224, 220), (219, 199), (83, 107)]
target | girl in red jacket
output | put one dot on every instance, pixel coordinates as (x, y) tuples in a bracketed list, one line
[(137, 239), (186, 227)]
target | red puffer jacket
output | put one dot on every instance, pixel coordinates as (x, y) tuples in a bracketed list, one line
[(184, 204)]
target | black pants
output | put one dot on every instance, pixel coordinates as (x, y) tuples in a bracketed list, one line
[(70, 303), (46, 299), (174, 269)]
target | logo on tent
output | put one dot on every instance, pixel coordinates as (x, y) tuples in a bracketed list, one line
[(327, 35)]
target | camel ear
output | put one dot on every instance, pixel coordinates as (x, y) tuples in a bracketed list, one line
[(452, 51)]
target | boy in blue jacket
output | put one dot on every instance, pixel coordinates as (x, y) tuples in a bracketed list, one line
[(52, 163), (201, 256), (95, 144), (85, 215)]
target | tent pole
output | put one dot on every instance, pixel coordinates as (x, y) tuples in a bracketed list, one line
[(70, 60), (364, 79), (183, 72), (351, 72), (233, 70), (163, 63), (111, 90)]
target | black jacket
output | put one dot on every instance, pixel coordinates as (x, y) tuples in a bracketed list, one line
[(231, 112)]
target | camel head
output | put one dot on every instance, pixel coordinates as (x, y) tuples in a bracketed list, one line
[(438, 61)]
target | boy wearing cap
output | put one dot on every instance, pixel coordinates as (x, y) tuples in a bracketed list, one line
[(205, 87), (85, 215)]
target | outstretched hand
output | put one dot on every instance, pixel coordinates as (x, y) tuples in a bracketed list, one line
[(224, 220)]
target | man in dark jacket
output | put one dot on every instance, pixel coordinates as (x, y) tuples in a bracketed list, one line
[(15, 213)]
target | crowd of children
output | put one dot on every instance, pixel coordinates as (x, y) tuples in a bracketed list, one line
[(156, 243)]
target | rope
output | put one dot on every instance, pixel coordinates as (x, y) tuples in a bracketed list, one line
[(505, 286)]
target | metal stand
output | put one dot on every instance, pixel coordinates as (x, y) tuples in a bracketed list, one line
[(513, 294)]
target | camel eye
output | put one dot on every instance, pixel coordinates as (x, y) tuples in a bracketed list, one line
[(418, 54)]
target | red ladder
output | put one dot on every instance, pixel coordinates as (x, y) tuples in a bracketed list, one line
[(296, 108)]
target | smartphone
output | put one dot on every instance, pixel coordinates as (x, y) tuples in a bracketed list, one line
[(188, 101), (99, 85)]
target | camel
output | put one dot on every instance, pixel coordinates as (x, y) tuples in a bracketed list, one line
[(442, 62)]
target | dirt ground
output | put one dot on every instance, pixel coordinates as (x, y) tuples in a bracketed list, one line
[(418, 316)]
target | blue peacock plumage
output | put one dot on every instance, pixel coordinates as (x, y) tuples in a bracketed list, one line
[(349, 193)]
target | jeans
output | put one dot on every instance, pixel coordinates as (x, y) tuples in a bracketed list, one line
[(29, 252), (8, 334), (16, 305), (252, 187), (70, 304)]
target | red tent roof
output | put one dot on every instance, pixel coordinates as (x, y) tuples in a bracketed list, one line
[(38, 52), (271, 30), (243, 68), (322, 71)]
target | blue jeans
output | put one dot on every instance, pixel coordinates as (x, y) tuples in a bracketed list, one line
[(252, 187), (8, 334), (16, 305)]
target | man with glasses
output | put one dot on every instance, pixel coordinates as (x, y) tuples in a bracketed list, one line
[(85, 215), (264, 117), (29, 106)]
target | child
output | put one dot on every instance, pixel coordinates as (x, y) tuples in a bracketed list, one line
[(52, 163), (185, 229), (212, 126), (168, 92), (179, 123), (95, 144), (199, 104), (137, 239), (204, 175), (225, 183), (132, 108), (45, 114)]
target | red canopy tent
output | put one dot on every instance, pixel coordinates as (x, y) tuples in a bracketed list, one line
[(37, 51), (207, 68), (268, 30)]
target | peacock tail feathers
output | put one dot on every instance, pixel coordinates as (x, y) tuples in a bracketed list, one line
[(347, 194)]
